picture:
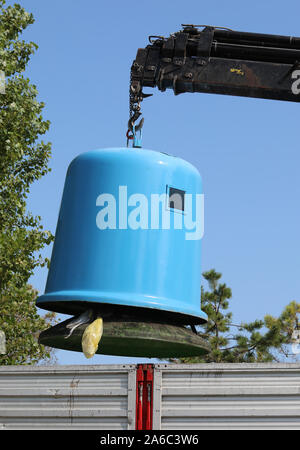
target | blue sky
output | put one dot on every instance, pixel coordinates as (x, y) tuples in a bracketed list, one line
[(247, 150)]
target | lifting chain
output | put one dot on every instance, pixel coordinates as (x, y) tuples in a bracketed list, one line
[(135, 98)]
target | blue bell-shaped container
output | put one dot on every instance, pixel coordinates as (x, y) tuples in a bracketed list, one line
[(128, 239)]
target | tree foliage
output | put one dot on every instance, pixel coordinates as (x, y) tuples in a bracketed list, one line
[(23, 160), (22, 325), (264, 340)]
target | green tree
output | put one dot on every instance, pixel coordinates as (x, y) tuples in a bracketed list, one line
[(23, 160), (264, 340)]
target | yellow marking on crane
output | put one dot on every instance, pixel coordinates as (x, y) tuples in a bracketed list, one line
[(237, 71)]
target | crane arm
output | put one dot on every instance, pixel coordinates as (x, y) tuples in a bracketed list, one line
[(217, 60)]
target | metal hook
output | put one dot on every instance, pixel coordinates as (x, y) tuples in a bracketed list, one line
[(137, 139), (140, 125), (131, 124), (134, 129)]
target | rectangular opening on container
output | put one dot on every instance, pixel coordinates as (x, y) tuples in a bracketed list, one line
[(176, 198)]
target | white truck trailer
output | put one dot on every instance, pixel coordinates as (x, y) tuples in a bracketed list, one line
[(157, 397)]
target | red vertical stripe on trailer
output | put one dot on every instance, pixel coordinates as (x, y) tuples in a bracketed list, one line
[(149, 397), (139, 397), (144, 397), (140, 407)]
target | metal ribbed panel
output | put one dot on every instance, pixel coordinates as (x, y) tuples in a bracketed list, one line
[(227, 396), (67, 397)]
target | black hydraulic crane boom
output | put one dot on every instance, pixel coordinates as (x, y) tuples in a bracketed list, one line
[(217, 60)]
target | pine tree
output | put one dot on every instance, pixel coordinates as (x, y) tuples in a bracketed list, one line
[(264, 340)]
